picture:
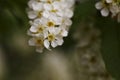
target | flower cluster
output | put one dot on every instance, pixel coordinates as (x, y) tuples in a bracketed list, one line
[(109, 7), (50, 21)]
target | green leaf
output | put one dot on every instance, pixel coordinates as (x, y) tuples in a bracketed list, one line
[(110, 45)]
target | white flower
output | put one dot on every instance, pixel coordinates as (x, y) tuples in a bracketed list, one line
[(103, 8), (38, 42), (53, 40), (107, 7), (99, 5), (115, 9), (34, 14), (109, 1), (57, 8), (50, 21), (63, 32), (104, 12), (37, 6)]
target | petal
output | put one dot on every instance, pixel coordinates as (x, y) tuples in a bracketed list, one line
[(105, 12), (57, 30), (30, 3), (64, 33), (57, 20), (114, 9), (68, 13), (56, 5), (30, 33), (47, 6), (60, 13), (36, 22), (60, 41), (45, 33), (37, 6), (31, 42), (46, 14), (32, 14), (68, 22), (99, 5), (39, 49), (109, 1), (54, 44), (43, 21), (64, 5), (47, 44), (52, 30), (33, 29)]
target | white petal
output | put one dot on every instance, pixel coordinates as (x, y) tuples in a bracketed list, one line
[(68, 13), (31, 42), (30, 3), (64, 33), (56, 5), (57, 20), (60, 41), (54, 44), (46, 14), (114, 9), (39, 49), (28, 33), (47, 6), (64, 5), (37, 6), (43, 21), (37, 21), (33, 29), (68, 4), (45, 34), (99, 5), (57, 30), (60, 13), (68, 22), (32, 14), (52, 29), (105, 12), (109, 1), (47, 44)]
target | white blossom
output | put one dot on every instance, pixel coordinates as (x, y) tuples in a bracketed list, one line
[(109, 1), (38, 42), (50, 21), (109, 7), (53, 39), (99, 5), (105, 12)]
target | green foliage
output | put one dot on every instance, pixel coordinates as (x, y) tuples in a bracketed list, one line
[(13, 18), (110, 45)]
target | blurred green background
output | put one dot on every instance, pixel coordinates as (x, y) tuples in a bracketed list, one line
[(21, 62)]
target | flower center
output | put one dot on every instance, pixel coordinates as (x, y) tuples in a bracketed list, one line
[(54, 10), (40, 29), (50, 24), (51, 37), (39, 41), (49, 1), (39, 14)]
